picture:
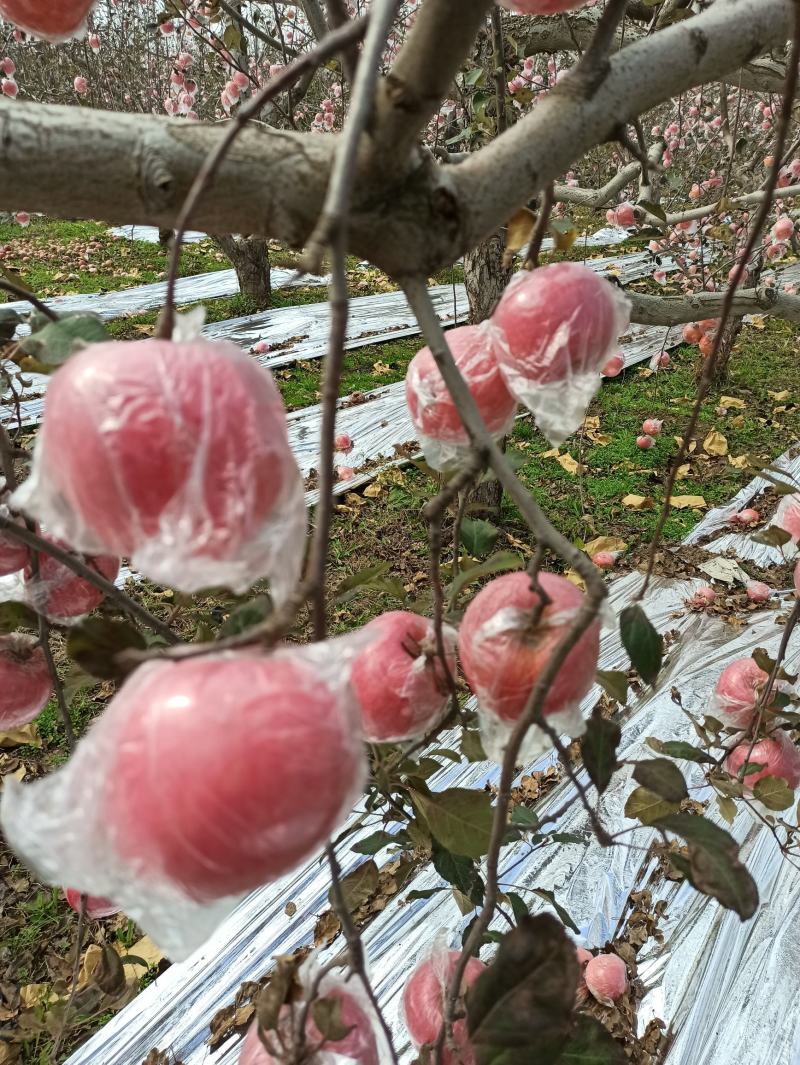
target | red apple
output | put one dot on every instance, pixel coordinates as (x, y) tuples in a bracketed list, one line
[(96, 907), (737, 692), (61, 594), (228, 770), (776, 753), (53, 19), (423, 1003), (398, 679), (25, 682)]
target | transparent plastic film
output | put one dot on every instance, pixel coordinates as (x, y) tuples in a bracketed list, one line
[(440, 431), (203, 779), (559, 325), (176, 456)]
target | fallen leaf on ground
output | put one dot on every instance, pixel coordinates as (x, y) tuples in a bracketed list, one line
[(568, 463), (715, 444), (637, 502), (727, 570), (28, 734), (741, 462), (605, 543), (779, 397), (685, 502), (373, 490), (35, 995), (732, 401), (683, 471), (145, 949), (575, 578)]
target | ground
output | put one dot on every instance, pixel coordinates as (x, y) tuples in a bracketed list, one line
[(600, 483)]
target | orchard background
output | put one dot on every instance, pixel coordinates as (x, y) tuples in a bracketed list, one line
[(220, 632)]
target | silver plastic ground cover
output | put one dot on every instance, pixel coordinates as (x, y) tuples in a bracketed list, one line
[(143, 298), (726, 988)]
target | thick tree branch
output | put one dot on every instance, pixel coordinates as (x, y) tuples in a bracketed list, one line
[(674, 310)]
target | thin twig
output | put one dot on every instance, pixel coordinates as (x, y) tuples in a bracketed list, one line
[(740, 269), (337, 40), (76, 970), (83, 569), (340, 187), (540, 228), (24, 294)]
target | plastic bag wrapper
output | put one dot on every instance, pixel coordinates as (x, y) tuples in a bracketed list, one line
[(398, 678), (738, 691), (204, 778), (52, 20), (787, 517), (502, 690), (440, 431), (777, 755), (364, 1044), (62, 596), (424, 995), (175, 456), (559, 326)]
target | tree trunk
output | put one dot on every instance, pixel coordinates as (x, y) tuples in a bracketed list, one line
[(250, 259), (485, 277), (729, 335)]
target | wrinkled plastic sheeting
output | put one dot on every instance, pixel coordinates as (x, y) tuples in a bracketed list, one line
[(108, 305), (152, 234), (724, 537), (303, 332), (722, 985)]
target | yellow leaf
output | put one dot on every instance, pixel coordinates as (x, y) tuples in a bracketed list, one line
[(605, 543), (591, 421), (741, 462), (568, 463), (779, 397), (373, 490), (601, 439), (637, 502), (564, 239), (683, 471), (757, 321), (145, 949), (35, 995), (684, 502), (732, 401), (553, 453), (715, 444), (692, 444), (16, 737), (381, 369), (519, 232), (575, 578)]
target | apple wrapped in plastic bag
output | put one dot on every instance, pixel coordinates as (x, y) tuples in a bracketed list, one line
[(55, 20), (560, 325), (204, 778), (504, 648), (341, 1023), (440, 431), (175, 456), (424, 997)]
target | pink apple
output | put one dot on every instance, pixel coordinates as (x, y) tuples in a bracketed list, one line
[(502, 657), (645, 442), (606, 978), (776, 753), (398, 679), (61, 594), (652, 426), (758, 592), (423, 1003), (737, 692), (52, 19), (25, 683)]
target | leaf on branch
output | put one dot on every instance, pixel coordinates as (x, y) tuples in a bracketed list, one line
[(96, 643), (523, 1003), (478, 536), (327, 1014), (518, 233), (51, 346), (774, 793), (599, 750), (374, 843), (592, 1044), (663, 778), (773, 536), (246, 616), (15, 616), (679, 749), (643, 644), (472, 746), (615, 683), (500, 562), (548, 896), (647, 807), (714, 867), (459, 819), (459, 871)]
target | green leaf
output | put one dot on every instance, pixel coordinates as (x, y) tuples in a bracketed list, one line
[(663, 778), (774, 793), (478, 536), (599, 750), (520, 1009), (460, 819), (374, 843), (51, 346), (472, 747), (615, 683), (474, 77), (524, 817), (653, 208), (413, 896), (519, 906), (548, 896), (15, 616), (727, 808), (327, 1014), (232, 39), (679, 749), (373, 578), (359, 885), (642, 642), (714, 867), (500, 562), (460, 872), (648, 807), (773, 536), (592, 1044), (246, 616), (95, 643)]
